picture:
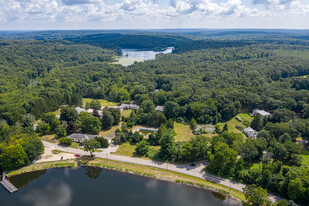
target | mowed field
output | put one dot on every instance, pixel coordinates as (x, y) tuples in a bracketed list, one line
[(104, 103), (233, 123), (183, 132)]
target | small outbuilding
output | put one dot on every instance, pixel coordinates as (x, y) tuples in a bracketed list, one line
[(249, 132), (159, 109)]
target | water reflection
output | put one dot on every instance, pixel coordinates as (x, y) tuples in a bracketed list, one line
[(66, 187), (219, 196), (26, 178), (93, 172), (56, 193), (129, 56)]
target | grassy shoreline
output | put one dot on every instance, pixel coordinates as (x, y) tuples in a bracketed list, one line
[(147, 171)]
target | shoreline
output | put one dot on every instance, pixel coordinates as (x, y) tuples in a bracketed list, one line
[(163, 175)]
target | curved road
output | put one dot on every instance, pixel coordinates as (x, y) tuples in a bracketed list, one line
[(196, 171)]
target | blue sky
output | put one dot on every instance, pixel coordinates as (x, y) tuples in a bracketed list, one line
[(152, 14)]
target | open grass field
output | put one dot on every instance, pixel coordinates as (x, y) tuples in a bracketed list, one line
[(126, 149), (234, 122), (104, 133), (75, 145), (50, 138), (104, 103), (183, 132), (126, 113), (58, 112), (306, 160)]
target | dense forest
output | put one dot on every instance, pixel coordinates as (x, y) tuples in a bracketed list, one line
[(203, 81)]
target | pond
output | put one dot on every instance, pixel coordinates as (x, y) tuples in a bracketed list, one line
[(95, 186), (129, 56)]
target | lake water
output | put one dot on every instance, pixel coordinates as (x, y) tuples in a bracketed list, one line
[(90, 186), (129, 56)]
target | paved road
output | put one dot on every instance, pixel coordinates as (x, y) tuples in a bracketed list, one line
[(196, 171)]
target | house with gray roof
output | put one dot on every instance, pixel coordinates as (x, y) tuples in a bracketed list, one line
[(128, 106), (261, 112), (78, 137), (79, 110), (159, 109), (249, 132)]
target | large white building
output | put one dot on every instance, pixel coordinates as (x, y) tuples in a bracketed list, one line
[(261, 112)]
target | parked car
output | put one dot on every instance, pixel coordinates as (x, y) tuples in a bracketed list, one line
[(77, 155)]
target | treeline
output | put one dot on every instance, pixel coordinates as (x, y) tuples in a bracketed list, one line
[(117, 41), (18, 147), (26, 85)]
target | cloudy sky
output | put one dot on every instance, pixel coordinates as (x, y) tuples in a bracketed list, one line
[(141, 14)]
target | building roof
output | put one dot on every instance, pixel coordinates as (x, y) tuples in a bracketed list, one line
[(79, 109), (82, 136), (159, 108), (261, 112), (128, 106), (249, 129)]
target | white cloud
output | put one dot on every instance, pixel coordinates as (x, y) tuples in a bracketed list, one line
[(73, 2), (148, 12), (55, 193)]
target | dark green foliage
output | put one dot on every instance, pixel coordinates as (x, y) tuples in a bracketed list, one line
[(167, 143), (223, 161), (171, 109), (136, 137), (43, 128), (256, 195), (91, 146), (65, 141), (193, 124), (102, 141), (17, 148), (148, 106), (94, 104), (257, 122), (116, 115), (68, 114), (107, 119), (91, 125), (142, 147)]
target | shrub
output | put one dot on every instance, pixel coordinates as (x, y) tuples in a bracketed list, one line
[(65, 141)]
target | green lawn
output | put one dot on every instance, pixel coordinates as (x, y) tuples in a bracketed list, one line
[(75, 145), (305, 160), (56, 151), (127, 149), (126, 113), (50, 138), (234, 122), (104, 103), (183, 132), (104, 133)]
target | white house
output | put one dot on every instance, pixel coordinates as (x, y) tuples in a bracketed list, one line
[(78, 137), (261, 112), (159, 109), (250, 132), (79, 110), (128, 106)]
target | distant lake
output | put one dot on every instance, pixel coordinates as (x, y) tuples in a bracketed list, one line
[(129, 56), (99, 187)]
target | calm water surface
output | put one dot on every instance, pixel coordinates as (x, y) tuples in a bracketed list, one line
[(131, 55), (91, 186)]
